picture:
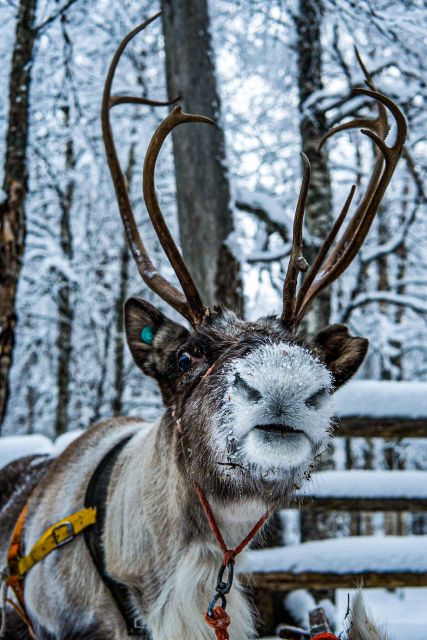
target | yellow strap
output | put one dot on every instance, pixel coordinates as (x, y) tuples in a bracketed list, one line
[(60, 533)]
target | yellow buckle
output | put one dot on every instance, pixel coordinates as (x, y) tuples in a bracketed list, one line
[(70, 534)]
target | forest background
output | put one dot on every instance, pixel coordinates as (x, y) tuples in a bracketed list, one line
[(275, 75)]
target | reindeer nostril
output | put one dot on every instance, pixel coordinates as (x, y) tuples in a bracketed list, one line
[(315, 400), (252, 394)]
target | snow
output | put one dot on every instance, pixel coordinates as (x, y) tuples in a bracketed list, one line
[(14, 447), (382, 399), (299, 603), (402, 611), (342, 556), (260, 200), (366, 484)]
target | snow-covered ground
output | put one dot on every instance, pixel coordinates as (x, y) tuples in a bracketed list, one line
[(14, 447), (402, 612)]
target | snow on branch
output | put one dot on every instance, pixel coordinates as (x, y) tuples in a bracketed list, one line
[(411, 302), (266, 209)]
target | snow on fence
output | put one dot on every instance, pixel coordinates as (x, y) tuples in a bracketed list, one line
[(370, 408), (392, 561), (357, 490), (382, 399)]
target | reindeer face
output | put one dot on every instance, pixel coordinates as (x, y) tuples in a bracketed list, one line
[(276, 407), (246, 400)]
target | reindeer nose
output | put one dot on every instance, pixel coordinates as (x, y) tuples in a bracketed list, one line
[(241, 385)]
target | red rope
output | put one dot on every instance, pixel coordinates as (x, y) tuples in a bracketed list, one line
[(229, 554), (325, 636), (220, 619)]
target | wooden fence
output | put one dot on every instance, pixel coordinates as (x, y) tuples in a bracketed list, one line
[(374, 561)]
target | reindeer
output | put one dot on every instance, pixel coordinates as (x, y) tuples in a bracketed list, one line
[(248, 410)]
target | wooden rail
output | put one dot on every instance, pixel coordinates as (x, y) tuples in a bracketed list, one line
[(363, 427), (360, 504), (287, 581)]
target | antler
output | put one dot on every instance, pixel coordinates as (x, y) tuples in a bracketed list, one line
[(174, 119), (189, 303), (322, 273)]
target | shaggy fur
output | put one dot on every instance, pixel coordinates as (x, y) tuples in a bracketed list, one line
[(361, 627), (246, 419)]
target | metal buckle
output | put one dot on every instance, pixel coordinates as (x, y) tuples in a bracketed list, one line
[(70, 531)]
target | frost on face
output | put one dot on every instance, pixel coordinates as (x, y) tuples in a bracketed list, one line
[(277, 408)]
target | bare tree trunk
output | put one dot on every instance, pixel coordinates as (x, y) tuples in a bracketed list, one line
[(12, 221), (65, 310), (312, 126), (203, 192)]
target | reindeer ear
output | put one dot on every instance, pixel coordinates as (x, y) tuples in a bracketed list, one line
[(341, 353), (152, 338)]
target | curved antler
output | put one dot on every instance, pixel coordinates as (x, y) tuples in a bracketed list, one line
[(175, 118), (188, 304), (297, 261), (322, 273)]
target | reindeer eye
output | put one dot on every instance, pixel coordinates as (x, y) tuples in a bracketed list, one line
[(184, 361)]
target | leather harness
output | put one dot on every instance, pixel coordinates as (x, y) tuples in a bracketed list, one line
[(90, 521), (96, 496)]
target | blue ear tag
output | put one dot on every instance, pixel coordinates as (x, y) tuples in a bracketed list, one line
[(147, 335)]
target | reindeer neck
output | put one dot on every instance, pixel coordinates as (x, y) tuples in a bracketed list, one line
[(153, 514)]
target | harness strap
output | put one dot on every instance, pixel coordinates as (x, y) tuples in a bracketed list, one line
[(18, 564), (96, 497), (56, 536)]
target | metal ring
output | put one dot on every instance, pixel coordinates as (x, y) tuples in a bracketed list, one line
[(224, 587), (213, 602)]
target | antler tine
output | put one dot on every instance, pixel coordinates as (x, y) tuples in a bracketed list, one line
[(321, 255), (297, 261), (358, 227), (157, 283), (175, 118), (378, 125)]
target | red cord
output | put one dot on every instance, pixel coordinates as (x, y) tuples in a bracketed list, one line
[(229, 554), (220, 619)]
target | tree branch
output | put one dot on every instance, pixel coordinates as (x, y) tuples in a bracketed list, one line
[(54, 16)]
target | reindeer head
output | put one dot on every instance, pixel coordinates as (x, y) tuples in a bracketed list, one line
[(248, 403)]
